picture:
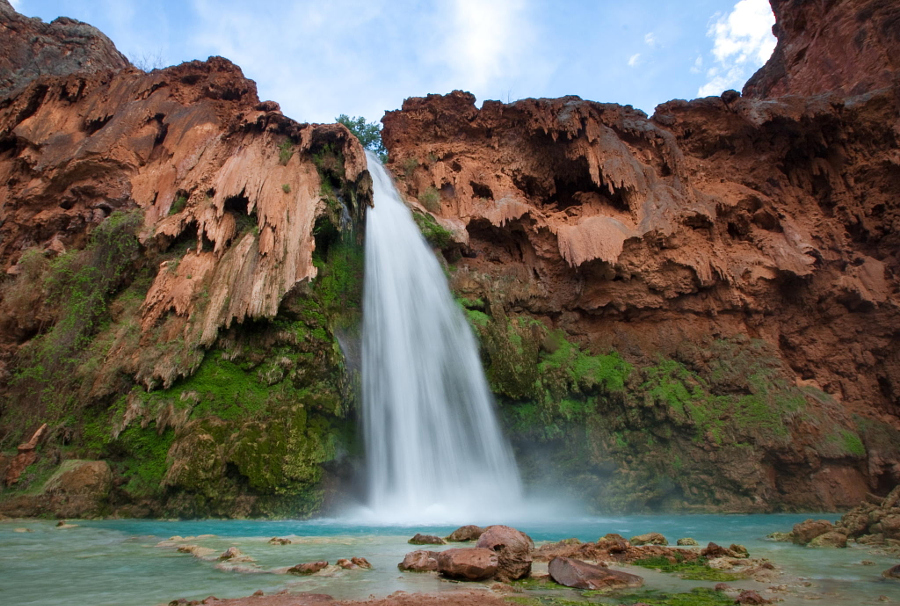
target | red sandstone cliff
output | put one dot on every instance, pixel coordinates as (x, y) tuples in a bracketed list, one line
[(737, 259), (30, 48), (843, 46), (669, 241)]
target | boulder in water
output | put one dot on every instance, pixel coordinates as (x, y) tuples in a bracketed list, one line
[(581, 575), (346, 564), (829, 539), (513, 548), (307, 568), (361, 562), (279, 541), (651, 538), (468, 563), (464, 534), (687, 542), (806, 531), (419, 561), (892, 573), (426, 539), (749, 596)]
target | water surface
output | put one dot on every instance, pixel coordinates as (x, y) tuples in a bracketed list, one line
[(120, 562)]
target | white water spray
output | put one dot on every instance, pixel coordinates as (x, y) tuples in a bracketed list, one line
[(434, 448)]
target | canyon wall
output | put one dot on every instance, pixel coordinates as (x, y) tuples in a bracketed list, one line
[(177, 257), (694, 311)]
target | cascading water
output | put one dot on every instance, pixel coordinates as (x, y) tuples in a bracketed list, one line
[(434, 448)]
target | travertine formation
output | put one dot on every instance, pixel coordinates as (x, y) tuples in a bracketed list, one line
[(191, 147), (713, 220)]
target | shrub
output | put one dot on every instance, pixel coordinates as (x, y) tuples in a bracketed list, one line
[(431, 199), (285, 151), (178, 205), (286, 188), (368, 133)]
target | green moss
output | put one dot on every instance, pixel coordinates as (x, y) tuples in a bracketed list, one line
[(436, 235), (694, 570), (178, 205), (78, 287), (144, 452), (285, 151)]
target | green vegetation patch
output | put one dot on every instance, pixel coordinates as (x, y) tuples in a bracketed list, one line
[(694, 570), (436, 235), (696, 597)]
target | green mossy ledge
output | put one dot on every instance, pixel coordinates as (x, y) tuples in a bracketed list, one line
[(695, 433), (261, 424)]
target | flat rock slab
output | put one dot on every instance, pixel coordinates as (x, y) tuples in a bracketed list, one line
[(581, 575), (468, 563)]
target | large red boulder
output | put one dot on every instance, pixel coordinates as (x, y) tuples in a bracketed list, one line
[(513, 548), (806, 531), (468, 563), (581, 575)]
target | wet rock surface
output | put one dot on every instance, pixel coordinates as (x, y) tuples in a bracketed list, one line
[(513, 549), (581, 575), (464, 534), (468, 563), (426, 539), (420, 561)]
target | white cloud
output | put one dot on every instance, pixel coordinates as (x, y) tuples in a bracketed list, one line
[(698, 65), (633, 59), (742, 42), (483, 42), (650, 40)]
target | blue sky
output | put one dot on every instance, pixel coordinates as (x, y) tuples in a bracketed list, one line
[(322, 58)]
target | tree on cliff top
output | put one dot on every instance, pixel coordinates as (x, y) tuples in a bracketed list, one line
[(368, 133)]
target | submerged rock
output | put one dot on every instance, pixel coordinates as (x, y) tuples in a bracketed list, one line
[(419, 561), (307, 568), (426, 539), (513, 548), (279, 541), (829, 539), (468, 563), (464, 534), (581, 575)]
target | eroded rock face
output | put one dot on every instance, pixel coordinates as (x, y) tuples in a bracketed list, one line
[(709, 234), (846, 46)]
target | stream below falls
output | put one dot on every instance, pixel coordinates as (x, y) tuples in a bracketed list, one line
[(133, 563)]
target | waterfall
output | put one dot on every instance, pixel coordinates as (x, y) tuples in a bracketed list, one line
[(434, 449)]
